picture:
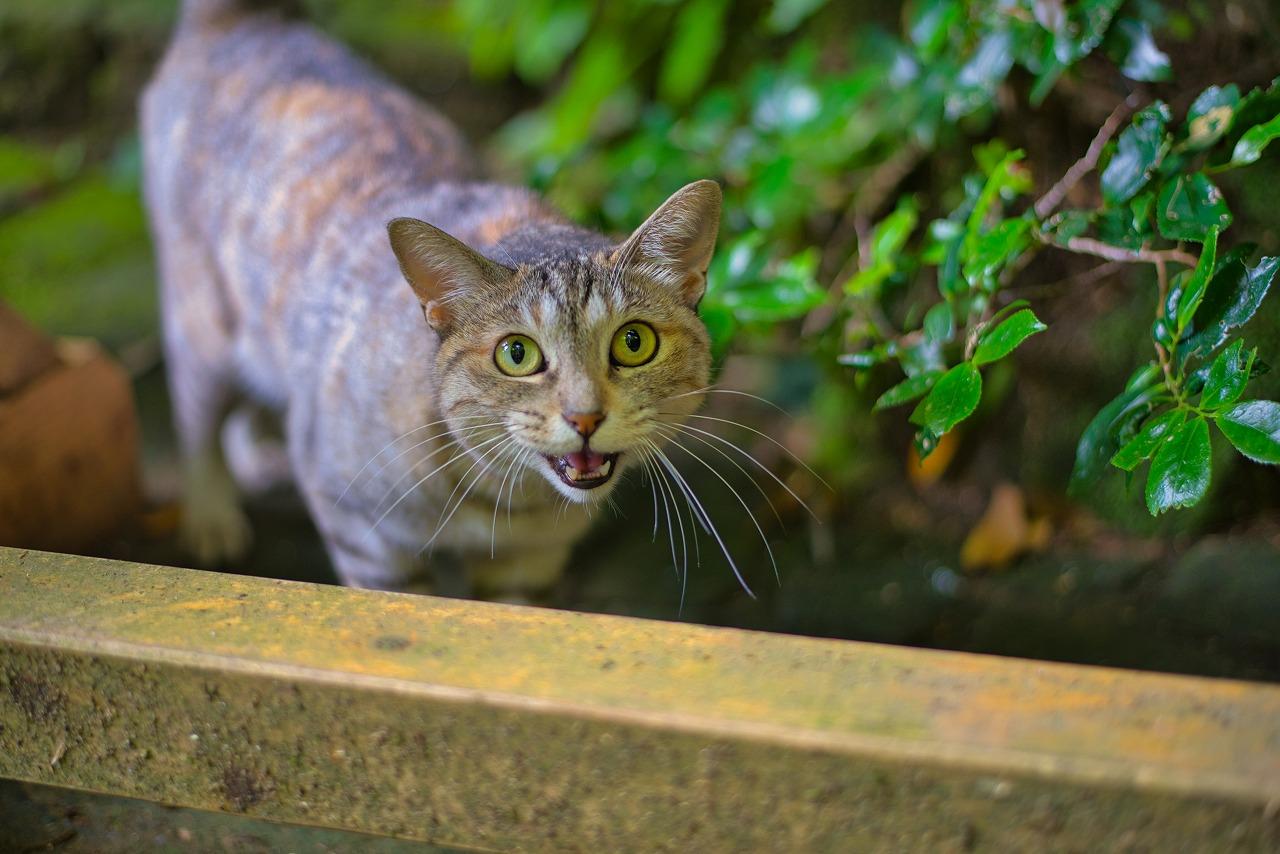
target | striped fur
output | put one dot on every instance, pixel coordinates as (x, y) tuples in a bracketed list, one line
[(274, 160)]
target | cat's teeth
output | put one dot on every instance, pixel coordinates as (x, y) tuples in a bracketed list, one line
[(603, 471)]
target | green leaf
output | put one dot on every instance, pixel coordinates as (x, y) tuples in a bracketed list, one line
[(1189, 206), (1192, 293), (952, 399), (907, 390), (1113, 426), (1255, 139), (1235, 292), (1210, 115), (939, 323), (892, 232), (1138, 152), (1254, 428), (1140, 448), (698, 36), (1005, 338), (994, 250), (929, 24), (1227, 377), (1135, 48), (790, 292), (1179, 474)]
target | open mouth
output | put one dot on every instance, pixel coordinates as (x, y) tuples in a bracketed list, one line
[(585, 469)]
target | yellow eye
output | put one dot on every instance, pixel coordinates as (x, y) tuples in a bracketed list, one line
[(633, 345), (518, 356)]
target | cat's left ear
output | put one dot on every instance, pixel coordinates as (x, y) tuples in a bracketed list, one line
[(440, 268), (675, 244)]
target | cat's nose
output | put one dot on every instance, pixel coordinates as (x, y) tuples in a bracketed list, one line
[(584, 423)]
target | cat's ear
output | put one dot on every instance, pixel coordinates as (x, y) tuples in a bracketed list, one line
[(675, 244), (439, 267)]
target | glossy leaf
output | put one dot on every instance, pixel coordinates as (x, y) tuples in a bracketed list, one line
[(1189, 206), (1254, 428), (1192, 293), (1210, 115), (1227, 377), (1005, 338), (1114, 425), (1234, 294), (1138, 152), (995, 249), (1140, 448), (1179, 475), (952, 399), (1139, 56), (1255, 139), (907, 390)]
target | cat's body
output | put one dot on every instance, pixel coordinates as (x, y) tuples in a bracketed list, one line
[(274, 161)]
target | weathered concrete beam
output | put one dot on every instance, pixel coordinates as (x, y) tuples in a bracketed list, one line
[(507, 728)]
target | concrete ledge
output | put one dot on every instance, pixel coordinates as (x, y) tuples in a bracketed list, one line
[(506, 728)]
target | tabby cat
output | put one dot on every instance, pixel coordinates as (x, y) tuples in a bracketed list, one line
[(527, 363)]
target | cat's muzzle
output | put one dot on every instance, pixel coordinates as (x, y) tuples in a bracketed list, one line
[(584, 469)]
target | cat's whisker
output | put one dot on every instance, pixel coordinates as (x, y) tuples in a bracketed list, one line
[(511, 490), (430, 475), (746, 508), (497, 500), (713, 390), (453, 442), (695, 507), (748, 455), (403, 435), (763, 435), (668, 430), (496, 453), (671, 533)]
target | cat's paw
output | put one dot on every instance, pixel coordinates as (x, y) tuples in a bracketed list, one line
[(215, 535), (214, 529)]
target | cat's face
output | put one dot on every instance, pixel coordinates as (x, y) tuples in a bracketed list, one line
[(574, 364)]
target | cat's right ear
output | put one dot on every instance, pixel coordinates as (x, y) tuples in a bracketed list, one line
[(439, 267)]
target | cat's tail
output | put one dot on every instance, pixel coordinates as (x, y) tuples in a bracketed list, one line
[(200, 14)]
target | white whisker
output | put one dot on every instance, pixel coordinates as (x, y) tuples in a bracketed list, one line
[(696, 508), (784, 448), (496, 452), (403, 435), (746, 508), (670, 434)]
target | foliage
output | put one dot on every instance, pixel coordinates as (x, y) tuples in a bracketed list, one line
[(804, 138)]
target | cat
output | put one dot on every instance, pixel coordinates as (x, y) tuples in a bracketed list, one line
[(329, 254)]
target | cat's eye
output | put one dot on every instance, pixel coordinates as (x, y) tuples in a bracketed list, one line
[(633, 345), (518, 356)]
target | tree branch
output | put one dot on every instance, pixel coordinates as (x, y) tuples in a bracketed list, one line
[(1050, 200), (1090, 246)]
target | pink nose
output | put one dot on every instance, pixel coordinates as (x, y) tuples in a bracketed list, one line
[(584, 423)]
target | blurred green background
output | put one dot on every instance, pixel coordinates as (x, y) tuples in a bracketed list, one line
[(821, 119)]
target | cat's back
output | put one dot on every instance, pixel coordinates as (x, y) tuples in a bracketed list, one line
[(252, 121)]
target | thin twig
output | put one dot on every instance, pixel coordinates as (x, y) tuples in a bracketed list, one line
[(1090, 246), (1050, 200)]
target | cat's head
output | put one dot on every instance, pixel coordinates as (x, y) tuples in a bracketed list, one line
[(568, 365)]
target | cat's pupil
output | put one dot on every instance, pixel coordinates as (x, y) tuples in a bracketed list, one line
[(517, 352), (633, 340)]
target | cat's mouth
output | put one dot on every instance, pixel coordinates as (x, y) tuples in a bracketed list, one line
[(585, 469)]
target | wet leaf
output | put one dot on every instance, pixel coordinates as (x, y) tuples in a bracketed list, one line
[(1180, 471), (1140, 448), (1234, 294), (1254, 428), (1228, 376), (907, 390), (1005, 338), (1210, 115), (1138, 152), (1113, 426), (1255, 139), (952, 399), (1192, 293), (1189, 206)]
